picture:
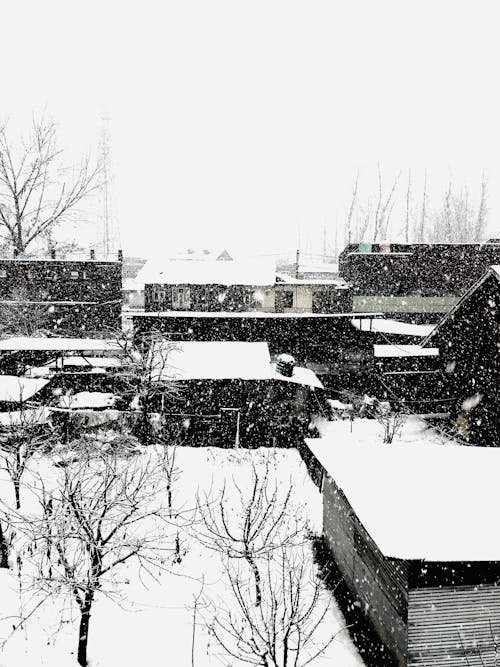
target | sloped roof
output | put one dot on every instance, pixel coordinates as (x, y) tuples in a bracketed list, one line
[(492, 271), (32, 343), (15, 389), (219, 360), (404, 351), (384, 325), (419, 500), (208, 272)]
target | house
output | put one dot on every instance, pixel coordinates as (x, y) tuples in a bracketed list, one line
[(236, 286), (328, 344), (411, 527), (414, 282), (231, 393), (468, 340), (67, 296)]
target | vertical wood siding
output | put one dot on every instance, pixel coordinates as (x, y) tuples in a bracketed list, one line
[(379, 583), (454, 626)]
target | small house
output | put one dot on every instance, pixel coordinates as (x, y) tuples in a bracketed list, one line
[(232, 393), (411, 527)]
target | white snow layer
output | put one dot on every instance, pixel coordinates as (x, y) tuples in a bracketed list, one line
[(404, 351), (421, 497), (383, 325), (88, 399), (219, 360), (210, 272), (149, 619), (27, 344), (15, 389)]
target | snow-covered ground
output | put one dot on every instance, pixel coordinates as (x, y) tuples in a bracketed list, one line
[(150, 621)]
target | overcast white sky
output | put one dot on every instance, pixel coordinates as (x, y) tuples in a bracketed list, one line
[(237, 123)]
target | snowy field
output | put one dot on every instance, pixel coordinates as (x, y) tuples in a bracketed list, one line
[(149, 619)]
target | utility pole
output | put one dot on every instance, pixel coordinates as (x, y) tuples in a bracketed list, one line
[(107, 242)]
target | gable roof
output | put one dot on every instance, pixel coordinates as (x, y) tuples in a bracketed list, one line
[(492, 271)]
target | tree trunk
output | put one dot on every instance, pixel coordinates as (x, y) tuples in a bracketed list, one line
[(256, 574), (17, 494), (4, 550), (83, 633)]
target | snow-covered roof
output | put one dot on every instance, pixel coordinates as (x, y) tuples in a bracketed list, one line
[(244, 314), (382, 325), (29, 344), (419, 500), (93, 364), (321, 267), (209, 272), (88, 399), (15, 389), (218, 360), (28, 417), (132, 285), (404, 351)]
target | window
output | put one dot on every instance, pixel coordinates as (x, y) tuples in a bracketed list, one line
[(74, 275), (287, 297), (181, 298), (158, 294), (3, 273)]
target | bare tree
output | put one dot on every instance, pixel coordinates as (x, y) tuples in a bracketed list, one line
[(262, 523), (37, 192), (482, 210), (26, 433), (407, 216), (420, 232), (390, 420), (104, 512), (146, 378), (286, 629), (23, 317), (384, 207), (348, 226)]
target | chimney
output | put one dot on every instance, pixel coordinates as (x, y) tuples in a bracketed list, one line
[(52, 253), (285, 365), (92, 253), (297, 256), (120, 255)]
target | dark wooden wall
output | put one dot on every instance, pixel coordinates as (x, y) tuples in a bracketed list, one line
[(424, 269), (380, 583), (468, 342)]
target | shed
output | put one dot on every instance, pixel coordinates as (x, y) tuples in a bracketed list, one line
[(235, 391), (411, 527)]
